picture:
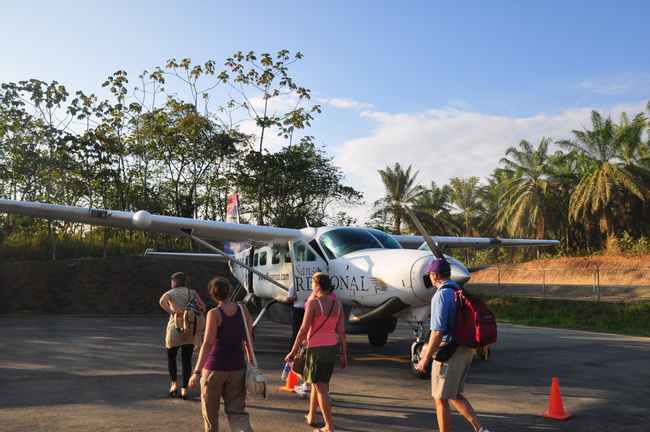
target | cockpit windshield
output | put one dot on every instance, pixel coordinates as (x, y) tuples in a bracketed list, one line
[(342, 241), (386, 240)]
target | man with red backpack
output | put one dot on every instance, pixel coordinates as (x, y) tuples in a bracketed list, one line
[(452, 361)]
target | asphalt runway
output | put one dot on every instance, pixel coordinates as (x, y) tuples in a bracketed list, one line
[(110, 374)]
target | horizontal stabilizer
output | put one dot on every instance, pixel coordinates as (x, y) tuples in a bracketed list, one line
[(185, 256)]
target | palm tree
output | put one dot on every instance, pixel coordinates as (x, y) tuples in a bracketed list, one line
[(433, 208), (530, 195), (492, 195), (401, 188), (602, 186), (633, 152), (564, 169), (465, 197)]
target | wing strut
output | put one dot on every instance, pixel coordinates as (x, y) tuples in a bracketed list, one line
[(228, 257)]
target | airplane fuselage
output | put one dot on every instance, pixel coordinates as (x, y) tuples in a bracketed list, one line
[(373, 282)]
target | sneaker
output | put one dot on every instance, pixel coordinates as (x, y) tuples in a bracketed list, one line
[(483, 430), (302, 390)]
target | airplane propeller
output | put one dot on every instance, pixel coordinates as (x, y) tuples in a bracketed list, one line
[(427, 238)]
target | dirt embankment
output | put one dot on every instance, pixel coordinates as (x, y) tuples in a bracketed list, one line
[(605, 270), (112, 286), (133, 285)]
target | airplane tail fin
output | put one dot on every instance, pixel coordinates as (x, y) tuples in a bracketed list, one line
[(232, 216)]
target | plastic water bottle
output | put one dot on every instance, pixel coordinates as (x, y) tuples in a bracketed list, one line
[(285, 371)]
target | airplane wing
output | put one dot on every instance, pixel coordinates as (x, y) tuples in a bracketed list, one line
[(414, 242), (144, 221), (223, 231)]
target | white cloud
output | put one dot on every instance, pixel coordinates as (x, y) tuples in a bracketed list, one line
[(447, 143), (346, 103), (627, 83), (460, 104)]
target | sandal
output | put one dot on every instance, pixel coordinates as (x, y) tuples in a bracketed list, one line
[(312, 424)]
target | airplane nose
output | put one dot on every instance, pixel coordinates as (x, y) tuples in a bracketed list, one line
[(421, 282), (459, 272), (422, 286)]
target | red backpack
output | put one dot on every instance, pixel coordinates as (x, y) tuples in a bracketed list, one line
[(476, 325)]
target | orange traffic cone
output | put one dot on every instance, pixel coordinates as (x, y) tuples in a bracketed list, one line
[(555, 408), (292, 381)]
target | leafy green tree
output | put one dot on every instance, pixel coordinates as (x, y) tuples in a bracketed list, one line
[(96, 173), (401, 188), (17, 145), (47, 100), (307, 187), (269, 79), (115, 118), (190, 75), (219, 152)]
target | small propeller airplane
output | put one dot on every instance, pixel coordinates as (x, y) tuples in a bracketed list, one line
[(379, 278)]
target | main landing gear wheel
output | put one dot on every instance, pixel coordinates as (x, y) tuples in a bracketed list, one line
[(415, 359), (377, 339)]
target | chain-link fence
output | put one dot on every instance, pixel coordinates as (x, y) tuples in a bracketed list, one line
[(597, 283)]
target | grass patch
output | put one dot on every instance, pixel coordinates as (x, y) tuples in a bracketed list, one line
[(622, 318)]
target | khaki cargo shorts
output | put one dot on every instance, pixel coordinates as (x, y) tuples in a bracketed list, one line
[(448, 378)]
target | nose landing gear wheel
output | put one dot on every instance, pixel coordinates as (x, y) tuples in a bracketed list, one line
[(415, 359)]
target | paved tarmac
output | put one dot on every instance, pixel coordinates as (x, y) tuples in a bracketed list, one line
[(110, 374)]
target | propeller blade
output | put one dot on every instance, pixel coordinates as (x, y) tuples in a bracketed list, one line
[(427, 238)]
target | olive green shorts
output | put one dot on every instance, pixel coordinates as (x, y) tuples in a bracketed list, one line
[(319, 364)]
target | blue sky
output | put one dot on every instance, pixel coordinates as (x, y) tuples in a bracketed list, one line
[(443, 86)]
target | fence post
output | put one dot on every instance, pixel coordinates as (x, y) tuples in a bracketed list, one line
[(595, 294), (499, 280), (543, 280), (598, 279)]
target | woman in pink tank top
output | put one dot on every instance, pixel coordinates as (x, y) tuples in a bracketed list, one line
[(323, 321)]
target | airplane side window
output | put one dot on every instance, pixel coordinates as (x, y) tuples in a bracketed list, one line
[(318, 249), (256, 260), (275, 258), (263, 258), (300, 252), (287, 256), (303, 253)]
